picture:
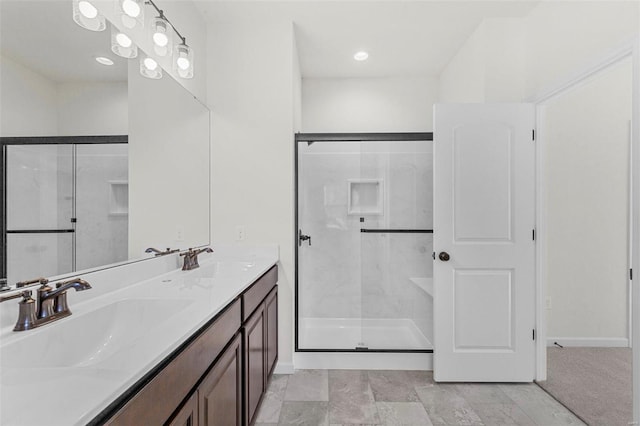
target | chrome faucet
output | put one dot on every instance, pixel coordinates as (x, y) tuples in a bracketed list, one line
[(161, 253), (191, 258), (50, 305)]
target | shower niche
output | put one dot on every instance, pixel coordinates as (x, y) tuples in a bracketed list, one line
[(367, 205), (365, 196)]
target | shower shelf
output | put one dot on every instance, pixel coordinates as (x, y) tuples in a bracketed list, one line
[(423, 283)]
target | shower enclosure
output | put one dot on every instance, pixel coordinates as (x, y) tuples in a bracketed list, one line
[(364, 242), (64, 204)]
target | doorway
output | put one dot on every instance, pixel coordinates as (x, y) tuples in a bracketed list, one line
[(587, 142)]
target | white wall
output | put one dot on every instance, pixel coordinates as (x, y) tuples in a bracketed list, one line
[(250, 64), (368, 104), (565, 36), (32, 105), (490, 65), (92, 108), (587, 166), (27, 101), (169, 151)]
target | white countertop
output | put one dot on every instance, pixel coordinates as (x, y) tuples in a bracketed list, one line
[(53, 384)]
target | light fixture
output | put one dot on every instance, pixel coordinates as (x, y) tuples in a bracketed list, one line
[(183, 60), (361, 56), (87, 16), (149, 68), (103, 60), (161, 35), (122, 45), (131, 12)]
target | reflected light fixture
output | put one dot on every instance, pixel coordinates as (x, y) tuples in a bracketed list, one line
[(361, 56), (103, 60), (131, 12), (161, 35), (149, 68), (87, 16), (183, 60), (122, 45)]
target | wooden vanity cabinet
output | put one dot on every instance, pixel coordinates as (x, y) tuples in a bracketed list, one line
[(271, 312), (188, 414), (254, 358), (259, 312), (220, 393), (220, 377)]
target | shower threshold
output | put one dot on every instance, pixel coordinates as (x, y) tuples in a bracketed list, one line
[(361, 335)]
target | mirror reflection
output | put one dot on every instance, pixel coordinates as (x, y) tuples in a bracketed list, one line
[(81, 170)]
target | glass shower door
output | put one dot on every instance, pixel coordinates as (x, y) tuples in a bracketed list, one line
[(329, 292), (40, 208), (364, 246), (395, 214)]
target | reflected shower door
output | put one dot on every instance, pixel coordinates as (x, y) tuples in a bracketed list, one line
[(393, 199), (102, 204), (40, 208)]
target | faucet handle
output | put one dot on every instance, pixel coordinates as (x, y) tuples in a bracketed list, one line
[(189, 252), (40, 280)]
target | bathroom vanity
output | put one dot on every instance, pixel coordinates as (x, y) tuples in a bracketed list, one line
[(178, 347), (220, 369)]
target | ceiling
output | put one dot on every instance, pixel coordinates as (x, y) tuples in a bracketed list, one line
[(403, 38), (42, 35)]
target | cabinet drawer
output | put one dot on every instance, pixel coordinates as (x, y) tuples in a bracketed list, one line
[(155, 403), (254, 295)]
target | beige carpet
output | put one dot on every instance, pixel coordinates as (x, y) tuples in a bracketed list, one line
[(594, 383)]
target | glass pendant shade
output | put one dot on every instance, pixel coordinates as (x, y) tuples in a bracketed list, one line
[(149, 68), (131, 13), (122, 45), (87, 16), (162, 36), (183, 61)]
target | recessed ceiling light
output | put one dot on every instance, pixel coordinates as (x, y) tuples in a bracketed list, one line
[(104, 61), (361, 56)]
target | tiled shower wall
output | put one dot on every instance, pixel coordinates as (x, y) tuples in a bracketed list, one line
[(349, 274)]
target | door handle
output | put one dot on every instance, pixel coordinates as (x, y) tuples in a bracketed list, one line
[(302, 237), (444, 256)]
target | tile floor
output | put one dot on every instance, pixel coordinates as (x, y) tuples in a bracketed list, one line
[(359, 397)]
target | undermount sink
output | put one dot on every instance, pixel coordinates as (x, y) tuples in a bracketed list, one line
[(90, 338)]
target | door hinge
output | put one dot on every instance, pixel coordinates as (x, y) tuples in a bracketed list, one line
[(631, 274), (533, 234), (533, 134), (533, 334)]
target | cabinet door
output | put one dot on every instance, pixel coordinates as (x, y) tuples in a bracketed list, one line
[(271, 308), (254, 358), (220, 394), (188, 414)]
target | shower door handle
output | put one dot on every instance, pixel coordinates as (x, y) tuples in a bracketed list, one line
[(302, 237)]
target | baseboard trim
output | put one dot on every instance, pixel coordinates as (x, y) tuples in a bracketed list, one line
[(595, 342), (283, 368)]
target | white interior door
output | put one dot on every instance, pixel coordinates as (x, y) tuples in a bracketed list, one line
[(484, 218)]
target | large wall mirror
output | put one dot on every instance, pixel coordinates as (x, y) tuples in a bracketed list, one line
[(98, 162)]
